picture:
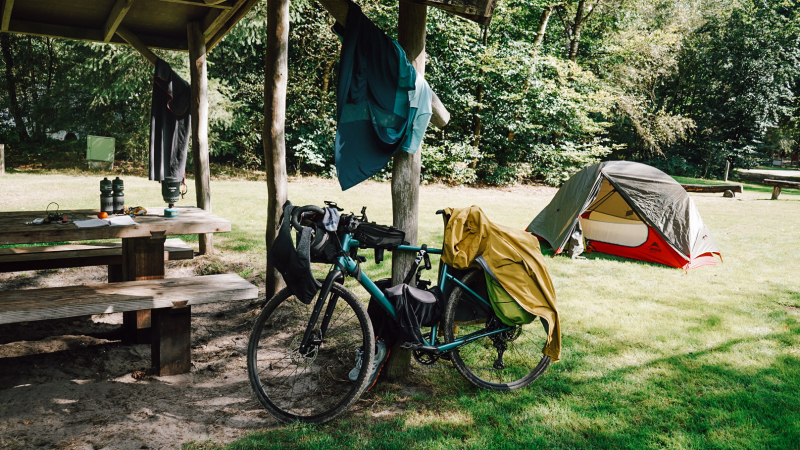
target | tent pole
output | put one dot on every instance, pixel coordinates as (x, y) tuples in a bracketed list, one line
[(199, 105)]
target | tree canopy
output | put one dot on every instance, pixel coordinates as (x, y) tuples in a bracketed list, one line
[(544, 90)]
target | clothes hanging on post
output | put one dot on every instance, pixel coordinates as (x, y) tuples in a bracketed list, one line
[(170, 123), (382, 105)]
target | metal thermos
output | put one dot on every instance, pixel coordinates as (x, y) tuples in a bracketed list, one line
[(106, 197), (171, 190), (119, 197)]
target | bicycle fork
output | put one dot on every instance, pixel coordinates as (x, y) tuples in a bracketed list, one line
[(310, 343)]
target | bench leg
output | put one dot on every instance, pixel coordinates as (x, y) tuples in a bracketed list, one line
[(776, 191), (171, 340), (142, 259)]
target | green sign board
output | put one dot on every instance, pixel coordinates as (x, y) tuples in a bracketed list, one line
[(99, 148)]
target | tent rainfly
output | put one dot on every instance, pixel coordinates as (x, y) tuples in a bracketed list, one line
[(628, 209)]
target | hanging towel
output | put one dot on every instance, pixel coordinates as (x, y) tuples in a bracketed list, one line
[(382, 105), (170, 123)]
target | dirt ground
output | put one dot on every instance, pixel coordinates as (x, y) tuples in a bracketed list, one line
[(71, 384)]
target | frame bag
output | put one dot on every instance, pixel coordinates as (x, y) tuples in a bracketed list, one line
[(372, 235)]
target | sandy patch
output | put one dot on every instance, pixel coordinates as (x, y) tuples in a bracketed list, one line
[(71, 384)]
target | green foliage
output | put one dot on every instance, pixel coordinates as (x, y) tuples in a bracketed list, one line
[(680, 85), (737, 79)]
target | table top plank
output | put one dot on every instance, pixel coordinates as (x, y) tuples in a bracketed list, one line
[(71, 301), (14, 230)]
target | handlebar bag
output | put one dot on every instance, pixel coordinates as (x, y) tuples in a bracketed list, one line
[(372, 235), (415, 308)]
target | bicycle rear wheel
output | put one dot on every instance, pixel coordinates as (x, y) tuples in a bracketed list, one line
[(508, 360), (312, 387)]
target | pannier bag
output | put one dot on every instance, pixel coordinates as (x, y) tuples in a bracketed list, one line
[(415, 308), (505, 307), (372, 235)]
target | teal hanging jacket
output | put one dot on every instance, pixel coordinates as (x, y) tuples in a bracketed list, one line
[(382, 105)]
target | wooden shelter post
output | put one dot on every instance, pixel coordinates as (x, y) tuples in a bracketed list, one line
[(199, 105), (276, 76), (406, 167)]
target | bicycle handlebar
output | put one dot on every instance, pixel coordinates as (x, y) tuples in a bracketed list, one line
[(295, 221)]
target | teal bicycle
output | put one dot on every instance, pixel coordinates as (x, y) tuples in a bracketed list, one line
[(300, 356)]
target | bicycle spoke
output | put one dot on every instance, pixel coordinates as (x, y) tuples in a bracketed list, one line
[(311, 386)]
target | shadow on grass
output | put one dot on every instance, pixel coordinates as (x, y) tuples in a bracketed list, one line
[(715, 398)]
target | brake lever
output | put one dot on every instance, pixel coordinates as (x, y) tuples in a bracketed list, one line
[(364, 214)]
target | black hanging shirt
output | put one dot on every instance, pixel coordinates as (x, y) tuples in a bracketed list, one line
[(170, 123)]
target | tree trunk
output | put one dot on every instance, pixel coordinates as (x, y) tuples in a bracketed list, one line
[(405, 171), (276, 68), (12, 88), (477, 124), (326, 75), (576, 32), (199, 104), (50, 62), (540, 32)]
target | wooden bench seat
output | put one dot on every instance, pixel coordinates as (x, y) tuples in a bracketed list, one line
[(170, 300), (713, 188), (779, 184), (17, 259)]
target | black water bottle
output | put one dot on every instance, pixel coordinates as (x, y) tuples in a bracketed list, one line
[(119, 197), (106, 197)]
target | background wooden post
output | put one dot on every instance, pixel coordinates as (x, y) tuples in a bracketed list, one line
[(405, 170), (2, 159), (199, 105), (276, 68), (727, 168)]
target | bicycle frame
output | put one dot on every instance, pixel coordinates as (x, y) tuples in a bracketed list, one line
[(350, 266)]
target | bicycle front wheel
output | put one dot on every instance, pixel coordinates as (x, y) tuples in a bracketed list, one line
[(313, 385), (507, 360)]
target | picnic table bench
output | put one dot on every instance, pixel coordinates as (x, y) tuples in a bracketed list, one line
[(779, 184), (169, 300), (155, 310), (17, 259)]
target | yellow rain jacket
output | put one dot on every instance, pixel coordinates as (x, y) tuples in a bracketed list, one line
[(515, 258)]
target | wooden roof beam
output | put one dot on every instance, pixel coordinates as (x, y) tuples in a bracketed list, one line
[(244, 7), (222, 4), (8, 5), (118, 12), (216, 19), (136, 43), (338, 9)]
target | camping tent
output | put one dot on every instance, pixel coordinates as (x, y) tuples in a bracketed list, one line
[(628, 209)]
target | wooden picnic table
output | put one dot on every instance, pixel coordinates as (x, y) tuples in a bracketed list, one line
[(143, 254)]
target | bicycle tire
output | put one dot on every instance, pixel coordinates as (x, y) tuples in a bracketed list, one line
[(312, 389), (522, 361)]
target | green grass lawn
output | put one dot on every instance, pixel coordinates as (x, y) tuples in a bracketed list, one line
[(653, 357)]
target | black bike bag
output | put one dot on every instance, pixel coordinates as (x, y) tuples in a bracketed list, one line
[(372, 235), (415, 308)]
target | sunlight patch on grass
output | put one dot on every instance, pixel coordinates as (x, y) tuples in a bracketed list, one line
[(427, 418)]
